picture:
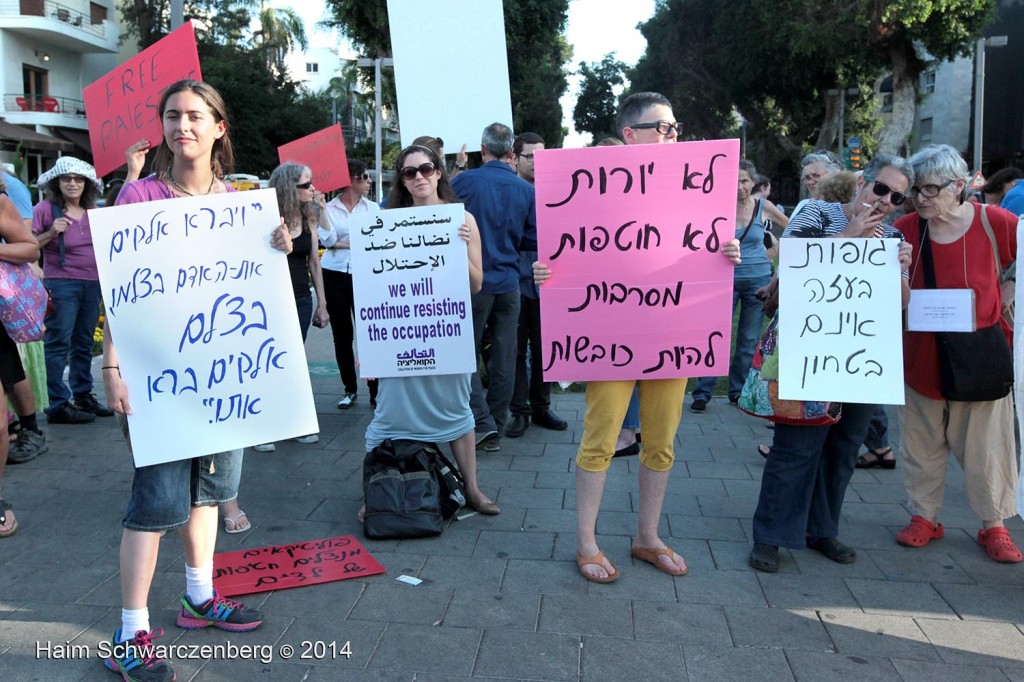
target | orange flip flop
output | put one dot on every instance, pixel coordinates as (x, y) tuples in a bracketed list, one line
[(596, 560), (651, 554)]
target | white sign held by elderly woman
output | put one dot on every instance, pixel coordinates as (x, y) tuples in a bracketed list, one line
[(840, 321), (202, 314), (410, 280)]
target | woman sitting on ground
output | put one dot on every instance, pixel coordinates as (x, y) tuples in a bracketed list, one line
[(433, 409)]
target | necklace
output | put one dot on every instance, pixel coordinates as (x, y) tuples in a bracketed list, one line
[(170, 174)]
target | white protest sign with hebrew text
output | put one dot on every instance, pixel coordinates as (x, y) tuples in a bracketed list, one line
[(203, 318), (469, 90), (840, 321), (410, 280)]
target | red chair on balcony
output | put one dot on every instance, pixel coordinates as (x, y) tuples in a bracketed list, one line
[(50, 104), (22, 104)]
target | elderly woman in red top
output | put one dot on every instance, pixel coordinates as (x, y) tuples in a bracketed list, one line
[(978, 432)]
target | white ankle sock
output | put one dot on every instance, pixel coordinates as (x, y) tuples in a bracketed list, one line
[(199, 583), (133, 620)]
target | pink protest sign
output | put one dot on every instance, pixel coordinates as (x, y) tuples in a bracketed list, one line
[(122, 105), (633, 234), (324, 153)]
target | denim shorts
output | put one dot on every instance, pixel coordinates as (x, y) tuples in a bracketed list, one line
[(163, 494)]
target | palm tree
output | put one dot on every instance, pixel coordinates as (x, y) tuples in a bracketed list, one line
[(355, 112), (280, 31)]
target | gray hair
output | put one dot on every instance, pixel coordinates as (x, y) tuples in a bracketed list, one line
[(635, 106), (897, 163), (750, 168), (941, 162), (497, 140), (283, 179), (826, 157)]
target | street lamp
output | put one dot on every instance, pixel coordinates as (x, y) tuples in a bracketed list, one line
[(979, 91), (842, 112)]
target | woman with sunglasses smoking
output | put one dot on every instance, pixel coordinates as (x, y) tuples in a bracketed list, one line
[(957, 253), (61, 224), (434, 409), (806, 476), (337, 274)]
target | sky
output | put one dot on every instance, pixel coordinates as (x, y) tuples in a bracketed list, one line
[(593, 33)]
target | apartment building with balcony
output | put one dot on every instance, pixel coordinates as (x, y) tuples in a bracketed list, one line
[(51, 50)]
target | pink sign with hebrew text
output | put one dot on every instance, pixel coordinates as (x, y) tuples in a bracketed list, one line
[(633, 235)]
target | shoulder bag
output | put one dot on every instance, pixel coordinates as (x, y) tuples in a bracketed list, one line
[(973, 366)]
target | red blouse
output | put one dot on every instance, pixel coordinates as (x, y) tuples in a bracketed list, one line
[(920, 353)]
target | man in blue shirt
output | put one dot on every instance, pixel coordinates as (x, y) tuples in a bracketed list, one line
[(503, 205), (31, 442), (1013, 201)]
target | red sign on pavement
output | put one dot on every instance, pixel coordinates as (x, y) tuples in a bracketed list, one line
[(294, 565), (324, 153), (122, 106)]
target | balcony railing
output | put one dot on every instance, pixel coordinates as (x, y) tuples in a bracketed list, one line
[(53, 105), (54, 10)]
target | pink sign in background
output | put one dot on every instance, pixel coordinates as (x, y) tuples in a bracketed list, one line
[(324, 153), (122, 105), (633, 235)]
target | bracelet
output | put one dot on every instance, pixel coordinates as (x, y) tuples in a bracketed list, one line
[(117, 367)]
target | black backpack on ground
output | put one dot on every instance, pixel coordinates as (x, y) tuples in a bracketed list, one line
[(410, 488)]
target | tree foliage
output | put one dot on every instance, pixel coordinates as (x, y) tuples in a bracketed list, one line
[(595, 107), (537, 53), (265, 108), (775, 63)]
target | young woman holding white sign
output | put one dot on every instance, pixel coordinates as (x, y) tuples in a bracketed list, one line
[(434, 409), (192, 158)]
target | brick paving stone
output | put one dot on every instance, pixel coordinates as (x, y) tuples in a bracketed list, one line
[(333, 642), (534, 498), (399, 603), (909, 599), (778, 629), (544, 577), (501, 610), (923, 671), (985, 602), (728, 588), (422, 648), (730, 664), (705, 528), (975, 642), (586, 615), (926, 565), (806, 592), (809, 666), (686, 623), (514, 545), (529, 656), (463, 573), (608, 659), (864, 634)]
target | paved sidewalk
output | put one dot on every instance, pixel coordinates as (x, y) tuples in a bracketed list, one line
[(501, 597)]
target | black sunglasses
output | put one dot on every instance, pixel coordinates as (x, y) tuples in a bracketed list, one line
[(881, 189), (663, 127), (304, 185), (425, 169), (364, 177)]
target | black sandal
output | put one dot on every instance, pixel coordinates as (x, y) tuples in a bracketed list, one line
[(5, 507), (876, 459)]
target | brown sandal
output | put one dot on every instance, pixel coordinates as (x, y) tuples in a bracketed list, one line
[(596, 560), (651, 554)]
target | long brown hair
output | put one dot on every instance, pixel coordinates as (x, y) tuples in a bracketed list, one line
[(399, 196), (222, 157)]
